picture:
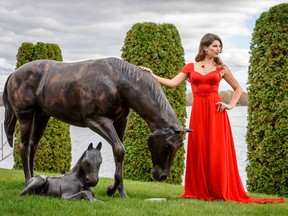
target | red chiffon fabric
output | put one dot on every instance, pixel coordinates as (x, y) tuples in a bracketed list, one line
[(211, 165)]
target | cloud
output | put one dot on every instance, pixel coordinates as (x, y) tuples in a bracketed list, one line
[(5, 65), (90, 29)]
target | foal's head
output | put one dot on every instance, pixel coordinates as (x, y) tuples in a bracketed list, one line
[(90, 163), (163, 145)]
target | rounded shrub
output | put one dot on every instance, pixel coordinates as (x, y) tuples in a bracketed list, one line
[(157, 46), (267, 130)]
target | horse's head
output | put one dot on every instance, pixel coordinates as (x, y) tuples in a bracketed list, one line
[(163, 145), (90, 164)]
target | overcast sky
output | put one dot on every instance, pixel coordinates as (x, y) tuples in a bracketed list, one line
[(92, 29)]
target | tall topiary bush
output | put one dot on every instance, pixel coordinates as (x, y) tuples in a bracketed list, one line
[(267, 134), (54, 151), (157, 46)]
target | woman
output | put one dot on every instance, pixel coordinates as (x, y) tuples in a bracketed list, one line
[(211, 165)]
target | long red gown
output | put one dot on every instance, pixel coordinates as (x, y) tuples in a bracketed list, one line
[(211, 164)]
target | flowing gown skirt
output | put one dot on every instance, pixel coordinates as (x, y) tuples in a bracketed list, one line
[(211, 163)]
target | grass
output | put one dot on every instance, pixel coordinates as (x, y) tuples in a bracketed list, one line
[(12, 182)]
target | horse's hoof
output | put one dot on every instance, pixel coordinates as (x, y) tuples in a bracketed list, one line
[(96, 200), (92, 200), (124, 195), (110, 190)]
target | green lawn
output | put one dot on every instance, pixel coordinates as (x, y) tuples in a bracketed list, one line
[(12, 182)]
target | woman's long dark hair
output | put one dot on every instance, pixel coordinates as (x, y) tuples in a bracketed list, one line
[(206, 41)]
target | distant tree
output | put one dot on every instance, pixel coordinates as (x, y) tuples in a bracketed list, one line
[(189, 99), (243, 100), (54, 151), (157, 46), (226, 96), (267, 130)]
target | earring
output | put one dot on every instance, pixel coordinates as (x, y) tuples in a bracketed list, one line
[(205, 52)]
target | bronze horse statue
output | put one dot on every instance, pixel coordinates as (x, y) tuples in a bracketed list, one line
[(97, 94), (78, 183)]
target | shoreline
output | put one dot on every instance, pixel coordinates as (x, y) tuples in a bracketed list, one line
[(81, 137)]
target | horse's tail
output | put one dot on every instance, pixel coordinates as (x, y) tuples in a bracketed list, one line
[(10, 117)]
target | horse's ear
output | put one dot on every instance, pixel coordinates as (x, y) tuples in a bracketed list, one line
[(90, 146), (99, 146)]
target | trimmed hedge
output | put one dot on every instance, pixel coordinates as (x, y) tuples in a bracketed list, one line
[(267, 134), (54, 151), (157, 46)]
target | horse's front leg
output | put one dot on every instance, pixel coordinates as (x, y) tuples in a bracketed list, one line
[(120, 127), (85, 194), (105, 128), (119, 153)]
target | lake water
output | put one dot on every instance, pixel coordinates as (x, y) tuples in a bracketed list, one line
[(82, 137)]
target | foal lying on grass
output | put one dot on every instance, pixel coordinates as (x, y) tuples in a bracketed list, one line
[(78, 183)]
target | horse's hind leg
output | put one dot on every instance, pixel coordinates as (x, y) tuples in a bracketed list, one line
[(31, 129), (24, 146), (40, 122), (34, 186)]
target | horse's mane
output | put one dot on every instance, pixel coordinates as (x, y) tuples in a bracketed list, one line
[(145, 82), (76, 165)]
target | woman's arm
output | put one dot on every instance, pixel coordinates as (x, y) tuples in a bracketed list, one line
[(230, 79), (170, 83)]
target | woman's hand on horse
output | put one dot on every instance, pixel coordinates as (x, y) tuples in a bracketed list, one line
[(146, 69)]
